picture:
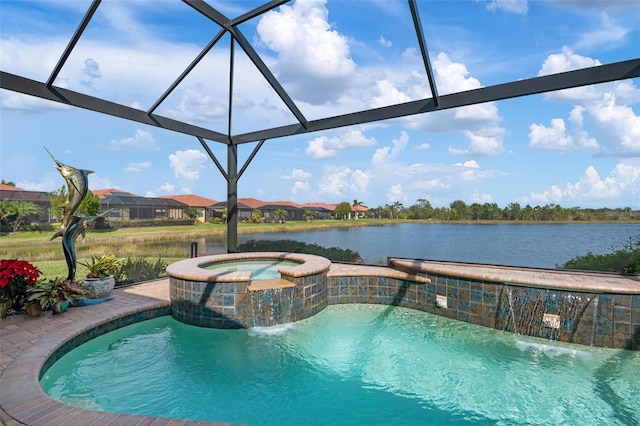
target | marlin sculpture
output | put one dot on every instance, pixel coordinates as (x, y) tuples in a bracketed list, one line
[(72, 225), (78, 186)]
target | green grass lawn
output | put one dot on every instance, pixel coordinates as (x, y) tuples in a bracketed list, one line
[(59, 269)]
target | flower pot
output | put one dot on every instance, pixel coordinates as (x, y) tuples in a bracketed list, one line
[(61, 307), (96, 288), (4, 307), (33, 310)]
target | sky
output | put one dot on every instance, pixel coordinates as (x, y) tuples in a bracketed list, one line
[(576, 148)]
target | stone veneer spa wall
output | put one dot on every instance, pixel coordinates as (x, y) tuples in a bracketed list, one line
[(218, 299), (585, 308)]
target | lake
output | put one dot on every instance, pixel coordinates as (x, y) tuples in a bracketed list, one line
[(534, 245)]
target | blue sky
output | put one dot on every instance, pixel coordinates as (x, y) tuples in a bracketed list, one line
[(579, 147)]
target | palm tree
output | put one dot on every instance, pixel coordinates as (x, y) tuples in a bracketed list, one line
[(308, 215), (22, 209), (355, 206), (280, 215), (6, 209)]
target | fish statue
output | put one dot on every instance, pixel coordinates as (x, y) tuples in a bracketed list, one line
[(78, 184), (75, 227)]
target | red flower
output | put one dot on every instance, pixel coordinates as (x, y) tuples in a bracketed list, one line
[(15, 276)]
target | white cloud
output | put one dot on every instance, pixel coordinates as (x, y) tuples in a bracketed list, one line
[(422, 147), (480, 146), (429, 184), (18, 101), (188, 164), (388, 94), (519, 7), (384, 42), (481, 198), (199, 104), (164, 189), (618, 126), (552, 138), (604, 110), (308, 49), (300, 187), (137, 167), (90, 72), (396, 193), (143, 139), (96, 181), (297, 174), (167, 187), (343, 182), (471, 171), (327, 147), (386, 154), (623, 180), (609, 33), (480, 123), (569, 61)]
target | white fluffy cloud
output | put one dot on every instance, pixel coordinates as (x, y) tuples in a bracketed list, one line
[(624, 179), (343, 182), (396, 194), (308, 48), (608, 33), (327, 147), (188, 164), (297, 174), (143, 139), (386, 154), (137, 167), (479, 123), (602, 110), (301, 183), (480, 146)]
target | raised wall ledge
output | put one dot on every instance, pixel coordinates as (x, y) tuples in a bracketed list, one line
[(530, 277), (357, 270), (191, 269)]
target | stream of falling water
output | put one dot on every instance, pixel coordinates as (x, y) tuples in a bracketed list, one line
[(271, 306)]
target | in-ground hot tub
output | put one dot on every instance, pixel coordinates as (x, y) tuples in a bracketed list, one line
[(230, 290)]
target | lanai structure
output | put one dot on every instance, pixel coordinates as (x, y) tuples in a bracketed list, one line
[(226, 29)]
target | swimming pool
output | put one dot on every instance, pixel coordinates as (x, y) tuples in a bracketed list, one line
[(262, 269), (349, 364)]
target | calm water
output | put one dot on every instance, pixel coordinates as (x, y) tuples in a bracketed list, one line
[(541, 246), (262, 269), (350, 365)]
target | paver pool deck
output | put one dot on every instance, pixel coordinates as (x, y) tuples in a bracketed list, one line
[(27, 342)]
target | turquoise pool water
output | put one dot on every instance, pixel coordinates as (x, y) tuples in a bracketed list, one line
[(262, 269), (349, 365)]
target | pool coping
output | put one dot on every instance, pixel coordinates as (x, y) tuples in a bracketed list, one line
[(580, 281), (191, 269)]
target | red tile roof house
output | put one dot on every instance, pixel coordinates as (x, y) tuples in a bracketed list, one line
[(39, 198), (201, 204)]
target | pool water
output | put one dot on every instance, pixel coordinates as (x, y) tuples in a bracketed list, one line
[(262, 269), (349, 365)]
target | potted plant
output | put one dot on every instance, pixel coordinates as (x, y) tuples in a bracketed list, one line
[(55, 294), (100, 281), (16, 276)]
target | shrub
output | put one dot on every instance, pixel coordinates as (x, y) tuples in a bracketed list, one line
[(334, 254), (139, 269), (623, 261)]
